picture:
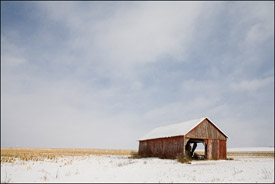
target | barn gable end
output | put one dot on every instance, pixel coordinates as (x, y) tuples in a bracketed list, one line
[(206, 130)]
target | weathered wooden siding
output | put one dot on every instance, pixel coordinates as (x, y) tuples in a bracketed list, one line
[(209, 149), (222, 149), (162, 147), (215, 143), (206, 130), (215, 149)]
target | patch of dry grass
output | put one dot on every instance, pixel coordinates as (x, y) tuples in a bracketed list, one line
[(183, 158), (252, 154), (9, 155), (267, 154), (135, 155)]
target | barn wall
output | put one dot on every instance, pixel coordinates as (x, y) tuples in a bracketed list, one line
[(169, 147), (215, 149), (214, 139), (209, 149), (162, 147), (206, 130), (222, 149)]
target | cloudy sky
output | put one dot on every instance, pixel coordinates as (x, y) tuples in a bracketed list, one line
[(103, 74)]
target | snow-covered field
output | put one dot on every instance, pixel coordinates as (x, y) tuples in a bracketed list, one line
[(122, 169)]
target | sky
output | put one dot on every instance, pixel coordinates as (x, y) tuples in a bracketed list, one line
[(104, 74)]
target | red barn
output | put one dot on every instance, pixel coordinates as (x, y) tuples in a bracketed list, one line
[(168, 141)]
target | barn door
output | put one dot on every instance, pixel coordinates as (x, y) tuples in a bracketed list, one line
[(215, 149), (222, 149), (212, 149)]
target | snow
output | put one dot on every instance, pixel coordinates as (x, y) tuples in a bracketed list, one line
[(174, 129), (122, 169)]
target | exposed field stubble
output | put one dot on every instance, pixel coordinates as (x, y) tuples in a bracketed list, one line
[(248, 154), (39, 154), (251, 154)]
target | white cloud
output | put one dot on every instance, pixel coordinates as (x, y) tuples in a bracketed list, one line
[(133, 34), (12, 55), (147, 33), (104, 94), (13, 61), (254, 27), (253, 85), (262, 28)]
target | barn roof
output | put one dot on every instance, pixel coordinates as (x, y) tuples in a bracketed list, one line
[(175, 129)]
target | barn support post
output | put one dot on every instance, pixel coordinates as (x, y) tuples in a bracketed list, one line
[(209, 149), (205, 148), (219, 150), (140, 150), (185, 142), (225, 149), (183, 145)]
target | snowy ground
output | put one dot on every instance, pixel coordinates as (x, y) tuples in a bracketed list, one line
[(122, 169)]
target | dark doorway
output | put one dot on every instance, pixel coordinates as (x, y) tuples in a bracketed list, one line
[(196, 149)]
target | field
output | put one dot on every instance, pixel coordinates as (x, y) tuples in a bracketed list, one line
[(101, 165)]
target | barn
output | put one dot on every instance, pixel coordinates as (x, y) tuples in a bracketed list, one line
[(182, 138)]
